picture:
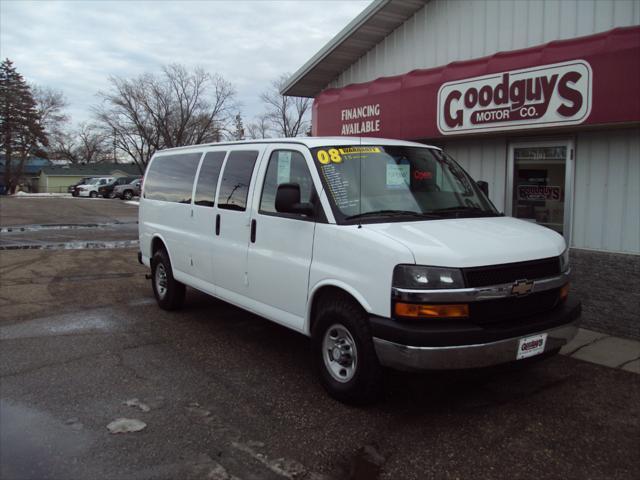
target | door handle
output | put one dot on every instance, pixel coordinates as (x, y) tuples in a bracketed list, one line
[(218, 224), (253, 231)]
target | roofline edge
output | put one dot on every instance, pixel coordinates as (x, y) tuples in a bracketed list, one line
[(332, 44)]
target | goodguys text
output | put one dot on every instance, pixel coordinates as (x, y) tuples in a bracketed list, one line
[(539, 95)]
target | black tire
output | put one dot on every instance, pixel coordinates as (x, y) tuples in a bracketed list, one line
[(112, 195), (361, 384), (169, 296), (93, 194), (127, 195)]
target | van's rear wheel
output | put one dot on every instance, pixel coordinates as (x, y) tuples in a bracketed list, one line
[(168, 291), (343, 353)]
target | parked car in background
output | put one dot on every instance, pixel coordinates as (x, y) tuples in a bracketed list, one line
[(90, 189), (72, 188), (106, 191), (128, 190)]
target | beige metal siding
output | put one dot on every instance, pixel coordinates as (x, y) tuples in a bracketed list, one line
[(606, 214), (448, 30), (483, 159)]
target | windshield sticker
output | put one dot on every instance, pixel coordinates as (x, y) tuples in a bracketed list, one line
[(336, 155), (398, 175), (284, 167), (339, 187)]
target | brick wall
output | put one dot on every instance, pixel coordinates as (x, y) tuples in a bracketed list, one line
[(608, 284)]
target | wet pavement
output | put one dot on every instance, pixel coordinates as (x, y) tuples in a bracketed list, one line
[(66, 223), (70, 236), (17, 210), (230, 395)]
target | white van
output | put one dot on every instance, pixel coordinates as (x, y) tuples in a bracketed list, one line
[(384, 252), (91, 188)]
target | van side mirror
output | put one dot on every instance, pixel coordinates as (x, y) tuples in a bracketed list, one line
[(288, 200), (484, 186)]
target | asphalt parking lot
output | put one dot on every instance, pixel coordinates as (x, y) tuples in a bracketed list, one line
[(225, 394)]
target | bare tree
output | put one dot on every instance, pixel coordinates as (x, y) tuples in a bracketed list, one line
[(86, 144), (51, 104), (287, 115), (177, 107), (260, 128)]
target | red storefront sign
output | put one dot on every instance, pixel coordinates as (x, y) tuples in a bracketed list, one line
[(592, 80)]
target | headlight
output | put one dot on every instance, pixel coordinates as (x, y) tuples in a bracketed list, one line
[(417, 277), (564, 260)]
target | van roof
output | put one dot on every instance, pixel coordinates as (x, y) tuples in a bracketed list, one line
[(311, 142)]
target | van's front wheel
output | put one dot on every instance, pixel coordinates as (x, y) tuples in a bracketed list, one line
[(168, 291), (343, 352)]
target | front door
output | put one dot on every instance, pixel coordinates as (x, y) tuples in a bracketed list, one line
[(540, 180)]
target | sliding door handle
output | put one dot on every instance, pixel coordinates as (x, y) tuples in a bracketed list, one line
[(218, 224), (253, 231)]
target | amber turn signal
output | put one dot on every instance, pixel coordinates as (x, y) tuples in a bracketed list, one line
[(416, 310), (564, 292)]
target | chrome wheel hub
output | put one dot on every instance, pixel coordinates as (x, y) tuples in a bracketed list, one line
[(161, 280), (339, 353)]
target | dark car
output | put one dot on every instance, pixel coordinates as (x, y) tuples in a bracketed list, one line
[(129, 190), (107, 191), (72, 188)]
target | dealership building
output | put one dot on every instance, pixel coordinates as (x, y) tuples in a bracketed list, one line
[(539, 98)]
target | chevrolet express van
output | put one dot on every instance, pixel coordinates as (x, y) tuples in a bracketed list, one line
[(384, 252)]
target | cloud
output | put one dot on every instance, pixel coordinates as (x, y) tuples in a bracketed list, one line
[(75, 46)]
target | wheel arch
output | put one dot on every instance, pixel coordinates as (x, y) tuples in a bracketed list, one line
[(158, 242), (329, 287)]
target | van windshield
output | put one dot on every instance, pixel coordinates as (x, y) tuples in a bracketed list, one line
[(379, 183)]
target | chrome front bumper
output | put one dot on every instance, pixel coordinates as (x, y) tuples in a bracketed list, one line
[(406, 357)]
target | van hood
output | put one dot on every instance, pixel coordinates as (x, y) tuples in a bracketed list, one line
[(473, 242)]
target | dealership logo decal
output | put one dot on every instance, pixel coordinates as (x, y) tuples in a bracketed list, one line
[(543, 96)]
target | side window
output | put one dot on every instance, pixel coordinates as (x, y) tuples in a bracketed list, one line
[(236, 178), (208, 179), (170, 177), (285, 166)]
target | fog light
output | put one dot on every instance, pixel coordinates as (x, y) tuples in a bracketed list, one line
[(564, 292), (416, 310)]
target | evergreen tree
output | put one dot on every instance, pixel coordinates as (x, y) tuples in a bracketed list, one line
[(21, 130), (238, 132)]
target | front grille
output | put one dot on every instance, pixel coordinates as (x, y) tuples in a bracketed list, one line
[(510, 272), (513, 308)]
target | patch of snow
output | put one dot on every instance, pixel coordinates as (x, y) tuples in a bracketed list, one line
[(73, 245), (126, 425), (36, 195), (134, 402)]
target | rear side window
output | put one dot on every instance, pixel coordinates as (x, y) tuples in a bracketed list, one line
[(285, 166), (170, 177), (208, 178), (236, 178)]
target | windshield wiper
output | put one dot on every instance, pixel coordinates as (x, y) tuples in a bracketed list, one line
[(475, 211), (391, 213)]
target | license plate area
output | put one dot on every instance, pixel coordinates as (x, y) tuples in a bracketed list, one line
[(531, 346)]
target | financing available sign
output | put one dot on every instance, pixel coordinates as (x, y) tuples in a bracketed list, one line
[(542, 96)]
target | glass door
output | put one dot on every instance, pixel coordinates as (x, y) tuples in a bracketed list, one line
[(540, 180)]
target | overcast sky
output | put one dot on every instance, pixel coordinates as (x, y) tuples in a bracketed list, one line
[(75, 46)]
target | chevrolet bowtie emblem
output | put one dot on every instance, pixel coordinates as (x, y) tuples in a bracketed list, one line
[(522, 287)]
